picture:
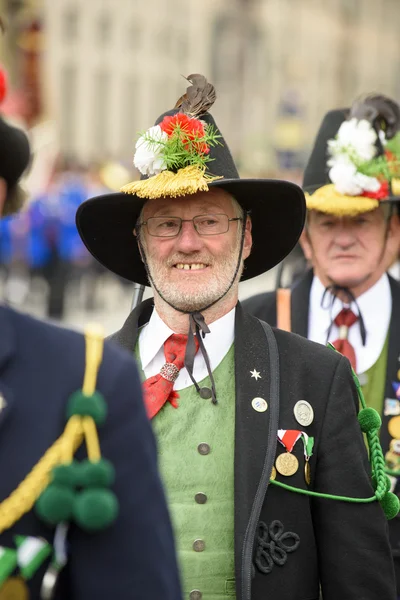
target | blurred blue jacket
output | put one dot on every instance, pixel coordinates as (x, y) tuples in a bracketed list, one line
[(40, 366)]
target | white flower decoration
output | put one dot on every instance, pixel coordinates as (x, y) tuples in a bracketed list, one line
[(355, 139), (348, 181), (149, 147)]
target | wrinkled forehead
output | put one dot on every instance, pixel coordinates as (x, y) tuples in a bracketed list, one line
[(376, 215), (213, 201)]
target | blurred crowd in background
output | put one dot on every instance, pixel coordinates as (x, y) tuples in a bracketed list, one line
[(86, 76)]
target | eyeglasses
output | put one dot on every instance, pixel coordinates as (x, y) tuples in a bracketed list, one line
[(203, 224)]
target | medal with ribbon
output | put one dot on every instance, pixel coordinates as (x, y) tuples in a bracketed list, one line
[(287, 464), (308, 442)]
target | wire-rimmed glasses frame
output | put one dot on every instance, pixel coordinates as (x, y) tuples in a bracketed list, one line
[(169, 227)]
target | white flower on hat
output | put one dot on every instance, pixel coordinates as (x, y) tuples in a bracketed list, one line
[(355, 140), (149, 157), (349, 181)]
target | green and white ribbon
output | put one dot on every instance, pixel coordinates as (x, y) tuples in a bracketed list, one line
[(308, 442), (31, 554), (8, 562)]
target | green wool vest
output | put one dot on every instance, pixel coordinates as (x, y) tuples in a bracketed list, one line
[(374, 388), (196, 461)]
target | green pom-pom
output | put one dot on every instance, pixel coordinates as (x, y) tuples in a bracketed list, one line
[(88, 406), (391, 505), (55, 504), (68, 475), (95, 509), (97, 474), (369, 419)]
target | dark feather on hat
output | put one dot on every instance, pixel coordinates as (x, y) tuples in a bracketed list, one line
[(199, 96), (382, 112)]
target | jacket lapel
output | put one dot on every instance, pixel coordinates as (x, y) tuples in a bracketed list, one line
[(128, 334), (251, 432), (300, 301), (393, 359)]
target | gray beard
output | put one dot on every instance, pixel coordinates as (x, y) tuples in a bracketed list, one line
[(195, 301)]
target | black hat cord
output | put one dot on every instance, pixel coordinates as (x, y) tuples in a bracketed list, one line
[(197, 324), (334, 289)]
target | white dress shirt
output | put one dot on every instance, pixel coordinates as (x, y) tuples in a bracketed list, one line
[(376, 308), (217, 343)]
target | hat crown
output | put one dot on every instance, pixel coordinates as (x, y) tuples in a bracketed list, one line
[(221, 163), (316, 171), (382, 114)]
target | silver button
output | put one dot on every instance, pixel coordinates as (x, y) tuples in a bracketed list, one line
[(195, 595), (3, 403), (199, 545), (204, 448), (200, 498)]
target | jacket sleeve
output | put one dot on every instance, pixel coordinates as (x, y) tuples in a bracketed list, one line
[(353, 546), (135, 557)]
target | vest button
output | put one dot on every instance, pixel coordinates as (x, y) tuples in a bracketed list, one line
[(200, 498), (204, 448), (199, 545), (195, 595)]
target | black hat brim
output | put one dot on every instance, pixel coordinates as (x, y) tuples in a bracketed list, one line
[(277, 209)]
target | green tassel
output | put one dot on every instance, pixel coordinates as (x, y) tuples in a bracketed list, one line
[(87, 406), (68, 475), (369, 419), (55, 504), (95, 509), (97, 474), (391, 505)]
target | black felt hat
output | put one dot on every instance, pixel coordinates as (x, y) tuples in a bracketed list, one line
[(14, 158), (277, 209), (383, 114)]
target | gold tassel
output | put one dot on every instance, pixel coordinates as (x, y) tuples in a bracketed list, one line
[(189, 180), (396, 187), (327, 200)]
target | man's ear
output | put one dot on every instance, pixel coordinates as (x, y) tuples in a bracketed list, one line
[(248, 239), (306, 244), (3, 195), (139, 245)]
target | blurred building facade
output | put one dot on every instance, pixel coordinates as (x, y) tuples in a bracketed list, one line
[(109, 67)]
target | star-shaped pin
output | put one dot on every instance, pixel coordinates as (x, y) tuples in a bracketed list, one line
[(255, 374)]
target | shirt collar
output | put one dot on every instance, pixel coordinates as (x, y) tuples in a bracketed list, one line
[(367, 303), (156, 333)]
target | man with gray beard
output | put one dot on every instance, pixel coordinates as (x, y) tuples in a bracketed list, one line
[(260, 448)]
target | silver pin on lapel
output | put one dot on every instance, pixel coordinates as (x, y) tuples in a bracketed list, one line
[(259, 404), (303, 413)]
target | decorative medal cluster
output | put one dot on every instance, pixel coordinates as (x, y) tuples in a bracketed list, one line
[(370, 422), (287, 463)]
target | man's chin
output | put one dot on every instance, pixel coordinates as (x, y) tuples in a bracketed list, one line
[(348, 280), (190, 300)]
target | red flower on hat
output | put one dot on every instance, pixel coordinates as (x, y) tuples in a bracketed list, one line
[(3, 85), (381, 194), (192, 131)]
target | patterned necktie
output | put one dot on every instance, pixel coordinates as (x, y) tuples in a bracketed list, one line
[(345, 319), (159, 389)]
